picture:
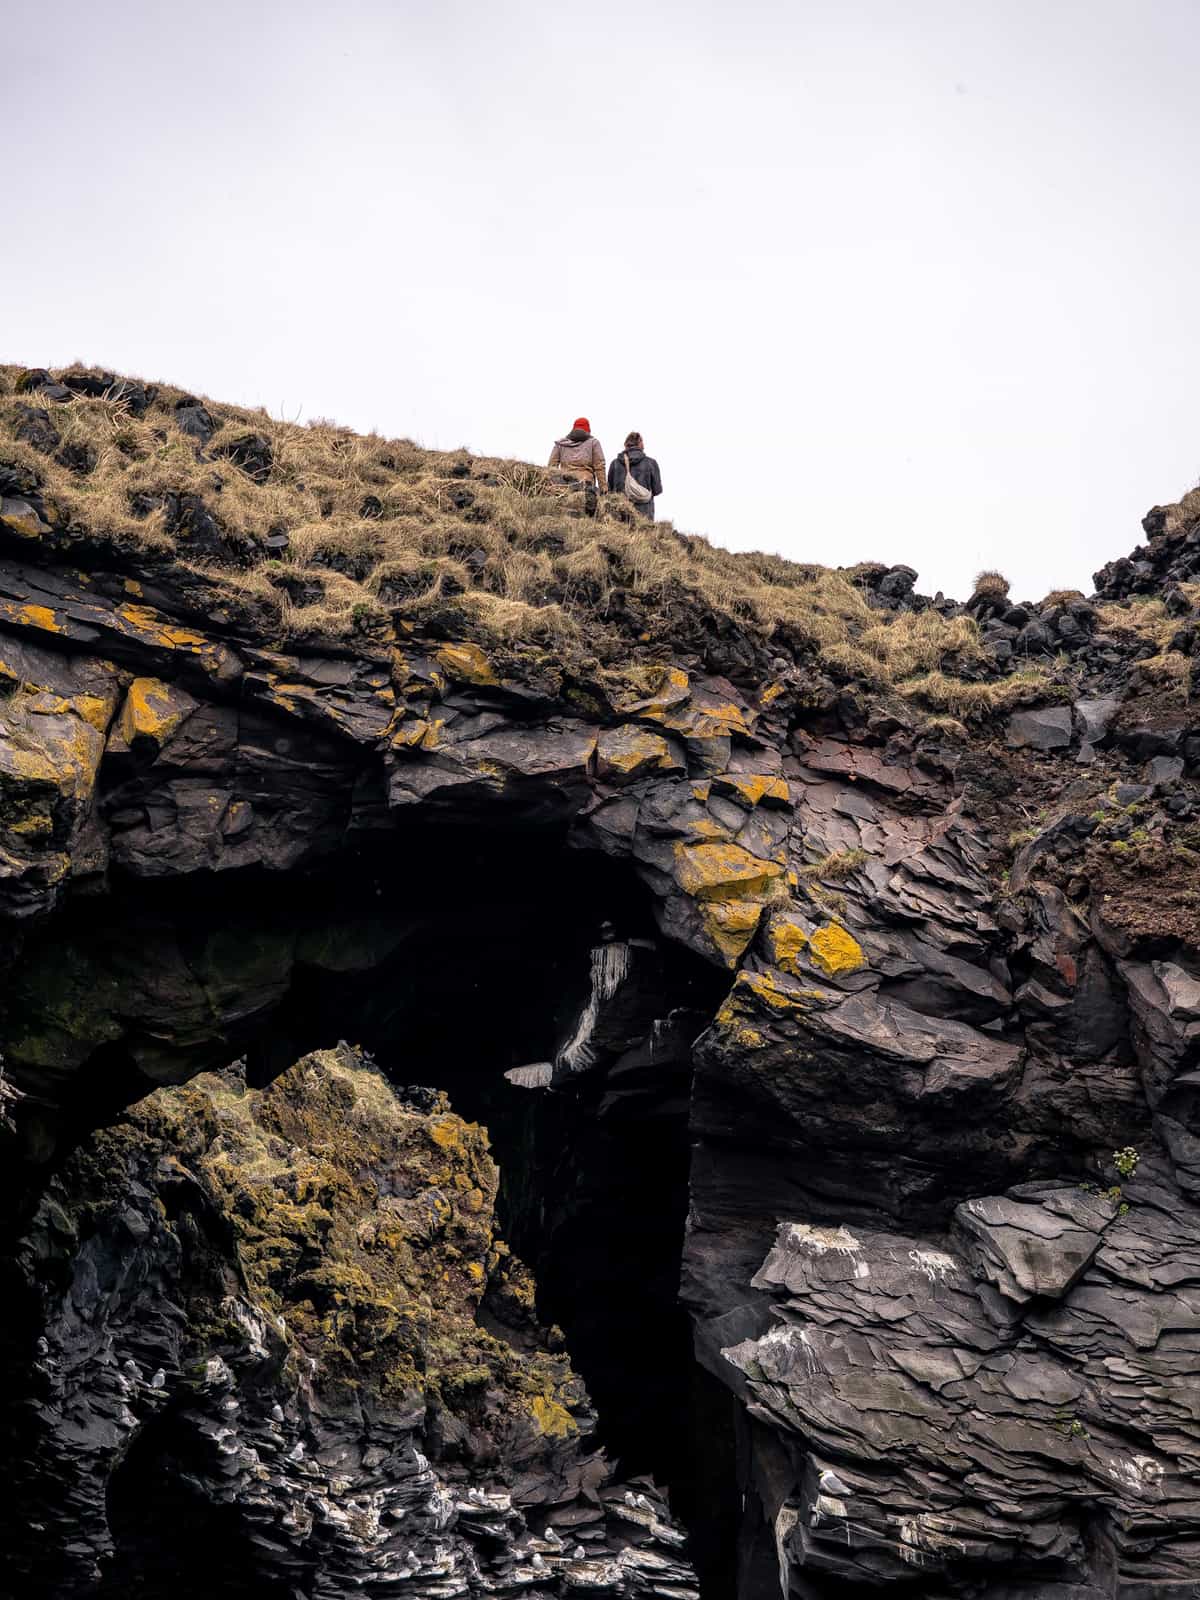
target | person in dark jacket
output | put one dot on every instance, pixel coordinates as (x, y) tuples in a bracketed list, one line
[(643, 469)]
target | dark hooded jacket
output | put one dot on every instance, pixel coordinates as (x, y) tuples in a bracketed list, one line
[(645, 471)]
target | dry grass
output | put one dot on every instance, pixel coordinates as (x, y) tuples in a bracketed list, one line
[(1171, 670), (1183, 514), (958, 698), (1063, 597), (383, 532), (940, 724), (1143, 617), (835, 867)]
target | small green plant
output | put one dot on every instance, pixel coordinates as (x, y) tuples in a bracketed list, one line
[(1070, 1426), (1126, 1161)]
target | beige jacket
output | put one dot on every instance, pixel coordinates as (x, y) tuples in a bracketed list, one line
[(579, 457)]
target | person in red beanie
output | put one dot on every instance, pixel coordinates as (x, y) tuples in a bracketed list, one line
[(579, 457)]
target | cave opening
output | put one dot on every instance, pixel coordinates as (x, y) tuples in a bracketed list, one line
[(455, 956), (210, 1547)]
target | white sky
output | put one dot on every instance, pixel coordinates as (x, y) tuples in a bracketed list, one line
[(876, 280)]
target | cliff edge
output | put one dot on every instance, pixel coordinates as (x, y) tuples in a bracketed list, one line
[(853, 935)]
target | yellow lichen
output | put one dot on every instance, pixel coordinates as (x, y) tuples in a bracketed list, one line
[(788, 943), (95, 709), (723, 872), (703, 828), (25, 524), (37, 825), (627, 751), (467, 663), (755, 787), (447, 1133), (648, 688), (700, 723), (39, 617), (410, 733), (730, 925), (768, 988), (552, 1417), (749, 1038), (835, 951), (153, 710)]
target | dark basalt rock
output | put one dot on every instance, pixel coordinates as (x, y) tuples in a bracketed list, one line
[(1094, 718), (194, 418), (251, 452), (887, 1051), (1048, 728), (36, 428)]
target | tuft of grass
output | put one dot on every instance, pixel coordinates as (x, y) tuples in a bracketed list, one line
[(990, 584), (835, 867), (1063, 597), (950, 727)]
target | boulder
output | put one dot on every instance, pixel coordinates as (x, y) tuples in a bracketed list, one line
[(1032, 1250), (898, 582), (1164, 769), (1094, 718), (1045, 728)]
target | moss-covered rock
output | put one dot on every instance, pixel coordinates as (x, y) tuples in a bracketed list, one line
[(299, 1292), (365, 1230)]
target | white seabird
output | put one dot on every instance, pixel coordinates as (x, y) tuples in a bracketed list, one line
[(830, 1483)]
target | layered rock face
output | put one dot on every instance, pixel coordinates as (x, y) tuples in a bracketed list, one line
[(864, 1033)]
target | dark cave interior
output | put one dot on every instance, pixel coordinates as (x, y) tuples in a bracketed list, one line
[(451, 955)]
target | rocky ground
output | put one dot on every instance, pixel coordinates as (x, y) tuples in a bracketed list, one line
[(885, 1053)]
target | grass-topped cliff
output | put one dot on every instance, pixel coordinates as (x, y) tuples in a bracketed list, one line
[(318, 533)]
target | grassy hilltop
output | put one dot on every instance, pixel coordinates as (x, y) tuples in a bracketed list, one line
[(321, 533)]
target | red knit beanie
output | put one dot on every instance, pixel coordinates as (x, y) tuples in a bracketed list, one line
[(581, 422)]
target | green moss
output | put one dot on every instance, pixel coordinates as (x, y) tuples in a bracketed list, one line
[(363, 1231)]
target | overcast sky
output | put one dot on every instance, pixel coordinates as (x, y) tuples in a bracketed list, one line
[(908, 282)]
